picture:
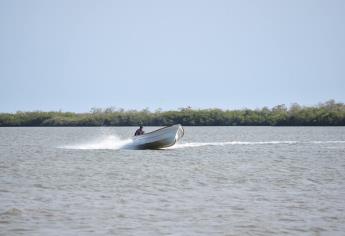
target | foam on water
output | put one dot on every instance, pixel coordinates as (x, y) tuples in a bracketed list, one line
[(112, 142), (201, 144), (321, 142), (197, 144)]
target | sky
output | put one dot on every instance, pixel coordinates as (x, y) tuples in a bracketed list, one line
[(73, 55)]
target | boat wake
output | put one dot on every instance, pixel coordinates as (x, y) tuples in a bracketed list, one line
[(113, 142), (197, 144), (186, 145)]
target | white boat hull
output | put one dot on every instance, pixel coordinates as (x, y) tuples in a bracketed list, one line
[(158, 139)]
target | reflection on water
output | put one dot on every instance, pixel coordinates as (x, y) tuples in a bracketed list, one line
[(218, 181)]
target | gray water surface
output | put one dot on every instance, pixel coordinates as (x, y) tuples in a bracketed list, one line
[(218, 181)]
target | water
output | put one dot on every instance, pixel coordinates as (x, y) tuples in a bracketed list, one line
[(218, 181)]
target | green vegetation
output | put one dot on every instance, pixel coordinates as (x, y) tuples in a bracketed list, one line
[(328, 113)]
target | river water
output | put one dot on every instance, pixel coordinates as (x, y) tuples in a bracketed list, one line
[(217, 181)]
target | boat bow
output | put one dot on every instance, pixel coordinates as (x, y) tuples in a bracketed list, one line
[(161, 138)]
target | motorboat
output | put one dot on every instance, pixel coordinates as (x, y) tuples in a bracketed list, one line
[(161, 138)]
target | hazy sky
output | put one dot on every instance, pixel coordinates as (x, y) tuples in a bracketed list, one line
[(74, 55)]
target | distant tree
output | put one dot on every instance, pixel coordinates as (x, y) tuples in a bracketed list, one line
[(328, 113)]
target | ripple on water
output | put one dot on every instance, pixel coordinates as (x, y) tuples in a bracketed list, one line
[(11, 212), (210, 184)]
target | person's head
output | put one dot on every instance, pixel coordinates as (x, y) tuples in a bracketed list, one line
[(141, 127)]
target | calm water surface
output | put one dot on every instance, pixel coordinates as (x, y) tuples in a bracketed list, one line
[(218, 181)]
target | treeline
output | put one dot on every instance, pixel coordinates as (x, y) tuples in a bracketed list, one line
[(329, 113)]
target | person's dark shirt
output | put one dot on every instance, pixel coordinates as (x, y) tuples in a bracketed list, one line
[(139, 132)]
